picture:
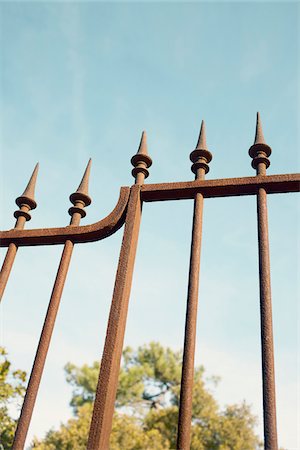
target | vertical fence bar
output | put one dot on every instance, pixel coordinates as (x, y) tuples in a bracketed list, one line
[(42, 349), (25, 202), (7, 266), (200, 157), (269, 395), (101, 423), (80, 199), (260, 152)]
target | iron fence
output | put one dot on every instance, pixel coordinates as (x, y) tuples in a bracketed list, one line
[(128, 212)]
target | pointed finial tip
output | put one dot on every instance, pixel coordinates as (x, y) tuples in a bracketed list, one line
[(143, 149), (88, 168), (32, 182), (259, 146), (258, 119), (82, 192), (28, 195), (141, 160), (201, 156), (259, 135), (201, 144)]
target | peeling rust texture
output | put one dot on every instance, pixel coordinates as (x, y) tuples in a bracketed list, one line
[(268, 371), (7, 266), (273, 184), (45, 339), (85, 233), (226, 187), (110, 365), (187, 377), (42, 350)]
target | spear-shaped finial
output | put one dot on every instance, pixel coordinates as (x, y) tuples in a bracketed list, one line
[(28, 195), (259, 135), (83, 187), (201, 156), (141, 161), (81, 198), (260, 151), (201, 144), (26, 201), (143, 148)]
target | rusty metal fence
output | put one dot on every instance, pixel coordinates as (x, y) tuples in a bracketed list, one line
[(128, 212)]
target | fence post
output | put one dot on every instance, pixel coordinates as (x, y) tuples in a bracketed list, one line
[(80, 199), (260, 152), (200, 158), (26, 202), (110, 365)]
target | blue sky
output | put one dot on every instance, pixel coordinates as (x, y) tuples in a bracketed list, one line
[(82, 80)]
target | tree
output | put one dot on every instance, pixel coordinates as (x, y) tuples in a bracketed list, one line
[(147, 408), (12, 388)]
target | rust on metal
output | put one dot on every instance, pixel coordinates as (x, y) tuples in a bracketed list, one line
[(200, 157), (224, 187), (26, 202), (110, 364), (77, 234), (141, 161), (260, 152), (80, 200), (128, 210)]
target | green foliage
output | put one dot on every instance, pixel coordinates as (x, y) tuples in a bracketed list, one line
[(72, 435), (147, 408), (84, 380), (12, 388)]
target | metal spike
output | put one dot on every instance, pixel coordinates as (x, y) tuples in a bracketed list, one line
[(30, 188), (83, 187), (82, 193), (141, 161), (259, 151), (143, 148), (201, 144), (28, 195), (201, 156), (259, 136)]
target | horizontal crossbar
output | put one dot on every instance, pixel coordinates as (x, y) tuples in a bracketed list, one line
[(86, 233), (226, 187)]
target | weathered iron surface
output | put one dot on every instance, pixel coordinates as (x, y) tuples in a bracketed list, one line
[(77, 234), (42, 349), (224, 187), (128, 211), (200, 158), (268, 371), (7, 266), (80, 200), (110, 364), (26, 202), (141, 161), (259, 153)]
